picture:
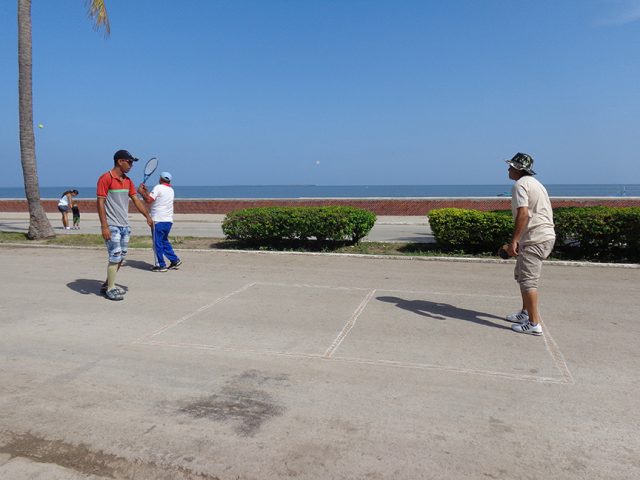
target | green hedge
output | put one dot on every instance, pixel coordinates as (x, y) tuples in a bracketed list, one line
[(598, 233), (590, 233), (273, 224), (471, 231)]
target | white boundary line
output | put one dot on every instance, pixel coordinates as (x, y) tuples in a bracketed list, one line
[(556, 355), (147, 338), (426, 292), (361, 361), (550, 344), (456, 294), (308, 285), (427, 366), (349, 325)]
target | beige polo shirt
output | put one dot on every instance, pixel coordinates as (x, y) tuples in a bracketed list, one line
[(529, 192)]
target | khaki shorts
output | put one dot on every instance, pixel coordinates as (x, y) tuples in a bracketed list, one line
[(529, 264)]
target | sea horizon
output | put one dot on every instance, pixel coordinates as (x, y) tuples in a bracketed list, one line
[(351, 191)]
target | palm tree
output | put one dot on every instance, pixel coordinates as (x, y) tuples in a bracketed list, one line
[(39, 225)]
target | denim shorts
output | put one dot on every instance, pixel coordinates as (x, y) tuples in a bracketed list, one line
[(118, 244)]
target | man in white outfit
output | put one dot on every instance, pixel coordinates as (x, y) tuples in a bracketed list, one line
[(532, 240), (161, 200)]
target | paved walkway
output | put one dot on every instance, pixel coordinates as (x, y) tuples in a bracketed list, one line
[(272, 366), (386, 229)]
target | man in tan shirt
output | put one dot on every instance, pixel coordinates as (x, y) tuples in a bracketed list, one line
[(532, 240)]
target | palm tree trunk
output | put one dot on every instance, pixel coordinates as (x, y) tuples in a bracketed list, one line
[(39, 225)]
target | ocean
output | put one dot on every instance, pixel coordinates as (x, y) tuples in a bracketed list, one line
[(354, 191)]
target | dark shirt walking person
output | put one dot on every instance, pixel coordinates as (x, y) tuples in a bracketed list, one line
[(75, 209)]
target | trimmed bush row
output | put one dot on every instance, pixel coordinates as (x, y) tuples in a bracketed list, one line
[(267, 225), (471, 231), (599, 233), (589, 233)]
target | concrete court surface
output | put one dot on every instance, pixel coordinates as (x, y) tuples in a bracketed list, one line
[(386, 229), (273, 366)]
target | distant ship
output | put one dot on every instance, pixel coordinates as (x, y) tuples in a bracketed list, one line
[(621, 193)]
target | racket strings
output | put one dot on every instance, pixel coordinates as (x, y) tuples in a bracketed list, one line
[(151, 166)]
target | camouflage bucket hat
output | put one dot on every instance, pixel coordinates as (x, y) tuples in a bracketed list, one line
[(522, 161)]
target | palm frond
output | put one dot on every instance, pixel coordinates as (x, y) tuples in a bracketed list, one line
[(97, 11)]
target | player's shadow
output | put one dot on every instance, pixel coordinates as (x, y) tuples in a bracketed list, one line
[(87, 286), (443, 311), (139, 264)]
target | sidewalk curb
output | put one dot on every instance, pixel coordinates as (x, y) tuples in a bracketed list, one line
[(551, 263)]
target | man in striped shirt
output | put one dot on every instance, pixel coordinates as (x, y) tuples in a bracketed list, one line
[(114, 190)]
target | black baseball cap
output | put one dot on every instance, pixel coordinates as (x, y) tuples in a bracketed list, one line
[(124, 155)]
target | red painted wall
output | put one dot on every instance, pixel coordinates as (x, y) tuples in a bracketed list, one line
[(380, 206)]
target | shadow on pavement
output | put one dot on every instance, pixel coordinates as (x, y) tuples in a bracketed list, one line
[(18, 226), (139, 264), (86, 286), (443, 311)]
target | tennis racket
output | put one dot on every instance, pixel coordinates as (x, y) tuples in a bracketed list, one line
[(149, 168)]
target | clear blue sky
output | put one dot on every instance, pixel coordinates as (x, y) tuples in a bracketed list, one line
[(240, 92)]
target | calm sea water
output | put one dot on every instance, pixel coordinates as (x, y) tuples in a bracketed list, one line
[(353, 191)]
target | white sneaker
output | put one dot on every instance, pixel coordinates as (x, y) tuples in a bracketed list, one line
[(518, 317), (528, 328)]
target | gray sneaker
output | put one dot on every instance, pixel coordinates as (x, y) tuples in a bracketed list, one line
[(527, 328), (518, 317), (103, 289), (113, 294)]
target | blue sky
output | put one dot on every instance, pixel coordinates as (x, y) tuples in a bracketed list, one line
[(332, 92)]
